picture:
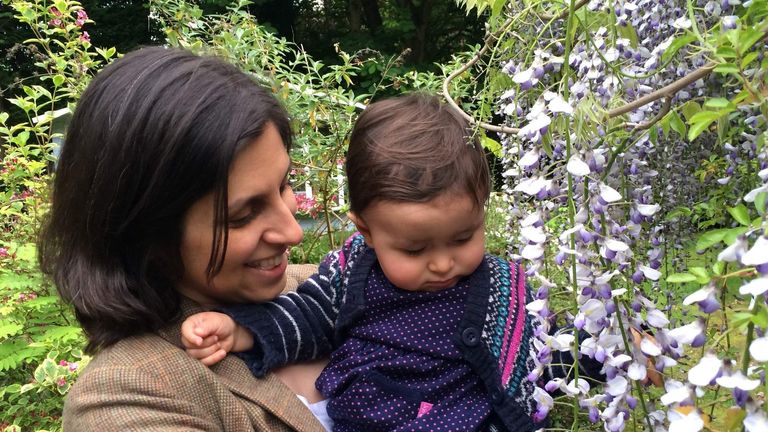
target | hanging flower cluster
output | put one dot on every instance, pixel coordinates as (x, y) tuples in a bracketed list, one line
[(593, 203)]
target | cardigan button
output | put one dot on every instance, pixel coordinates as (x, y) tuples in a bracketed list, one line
[(470, 336)]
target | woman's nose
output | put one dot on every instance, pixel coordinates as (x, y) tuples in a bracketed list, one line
[(285, 228)]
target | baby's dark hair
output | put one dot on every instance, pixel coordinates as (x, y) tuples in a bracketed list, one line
[(413, 148)]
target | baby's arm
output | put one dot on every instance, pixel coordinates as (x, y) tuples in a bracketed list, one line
[(210, 336)]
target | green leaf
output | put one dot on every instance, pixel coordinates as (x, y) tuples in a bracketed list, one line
[(726, 52), (726, 68), (710, 238), (676, 123), (741, 214), (689, 109), (9, 328), (492, 145), (676, 44), (681, 278), (58, 80), (703, 116), (700, 273), (718, 103), (732, 233), (748, 37), (697, 128), (760, 201), (749, 58), (718, 268)]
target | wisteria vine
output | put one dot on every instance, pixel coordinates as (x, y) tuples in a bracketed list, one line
[(626, 123)]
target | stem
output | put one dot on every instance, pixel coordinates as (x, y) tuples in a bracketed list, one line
[(571, 202), (638, 388)]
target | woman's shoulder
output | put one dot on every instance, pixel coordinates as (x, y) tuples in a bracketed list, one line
[(148, 383)]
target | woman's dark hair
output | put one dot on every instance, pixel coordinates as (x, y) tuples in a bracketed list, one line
[(154, 132), (413, 148)]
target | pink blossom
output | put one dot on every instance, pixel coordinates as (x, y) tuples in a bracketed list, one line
[(61, 382), (85, 37), (55, 11), (4, 252)]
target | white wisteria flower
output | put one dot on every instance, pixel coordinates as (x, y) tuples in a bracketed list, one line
[(751, 195), (637, 371), (616, 386), (656, 318), (702, 294), (609, 194), (680, 422), (676, 392), (705, 371), (735, 251), (648, 209), (650, 348), (534, 234), (737, 380), (759, 349), (532, 252), (616, 245), (756, 421), (529, 158), (577, 167), (758, 254), (688, 333), (650, 273), (559, 105), (531, 186), (755, 287)]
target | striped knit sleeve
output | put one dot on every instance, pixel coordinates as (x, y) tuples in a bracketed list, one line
[(298, 325)]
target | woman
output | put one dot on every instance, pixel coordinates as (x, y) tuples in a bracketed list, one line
[(171, 197)]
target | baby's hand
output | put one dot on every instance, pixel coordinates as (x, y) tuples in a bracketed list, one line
[(208, 336)]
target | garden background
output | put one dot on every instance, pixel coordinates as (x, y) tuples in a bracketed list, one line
[(627, 139)]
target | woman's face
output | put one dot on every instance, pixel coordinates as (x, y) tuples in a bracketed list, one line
[(261, 228)]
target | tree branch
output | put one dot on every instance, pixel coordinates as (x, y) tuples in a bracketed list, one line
[(668, 90), (489, 39), (664, 110)]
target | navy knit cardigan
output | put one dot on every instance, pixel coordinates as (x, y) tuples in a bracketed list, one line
[(494, 335)]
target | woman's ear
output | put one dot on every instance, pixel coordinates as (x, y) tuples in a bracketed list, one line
[(362, 227)]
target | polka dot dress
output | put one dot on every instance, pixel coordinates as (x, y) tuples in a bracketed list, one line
[(398, 370)]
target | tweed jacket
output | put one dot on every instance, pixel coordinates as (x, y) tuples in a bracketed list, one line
[(148, 383), (494, 335)]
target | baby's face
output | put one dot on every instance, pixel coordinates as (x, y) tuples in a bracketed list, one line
[(425, 246)]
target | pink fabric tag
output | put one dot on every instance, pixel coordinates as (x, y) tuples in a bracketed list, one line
[(424, 408)]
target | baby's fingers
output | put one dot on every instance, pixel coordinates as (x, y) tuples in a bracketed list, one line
[(214, 358), (203, 353)]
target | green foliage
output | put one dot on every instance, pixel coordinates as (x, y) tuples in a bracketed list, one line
[(40, 344)]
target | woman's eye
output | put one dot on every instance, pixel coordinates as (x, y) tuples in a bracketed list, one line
[(244, 219), (240, 221)]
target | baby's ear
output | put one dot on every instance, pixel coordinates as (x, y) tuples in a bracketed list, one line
[(361, 226)]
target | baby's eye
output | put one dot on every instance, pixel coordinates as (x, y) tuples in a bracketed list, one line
[(413, 252)]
